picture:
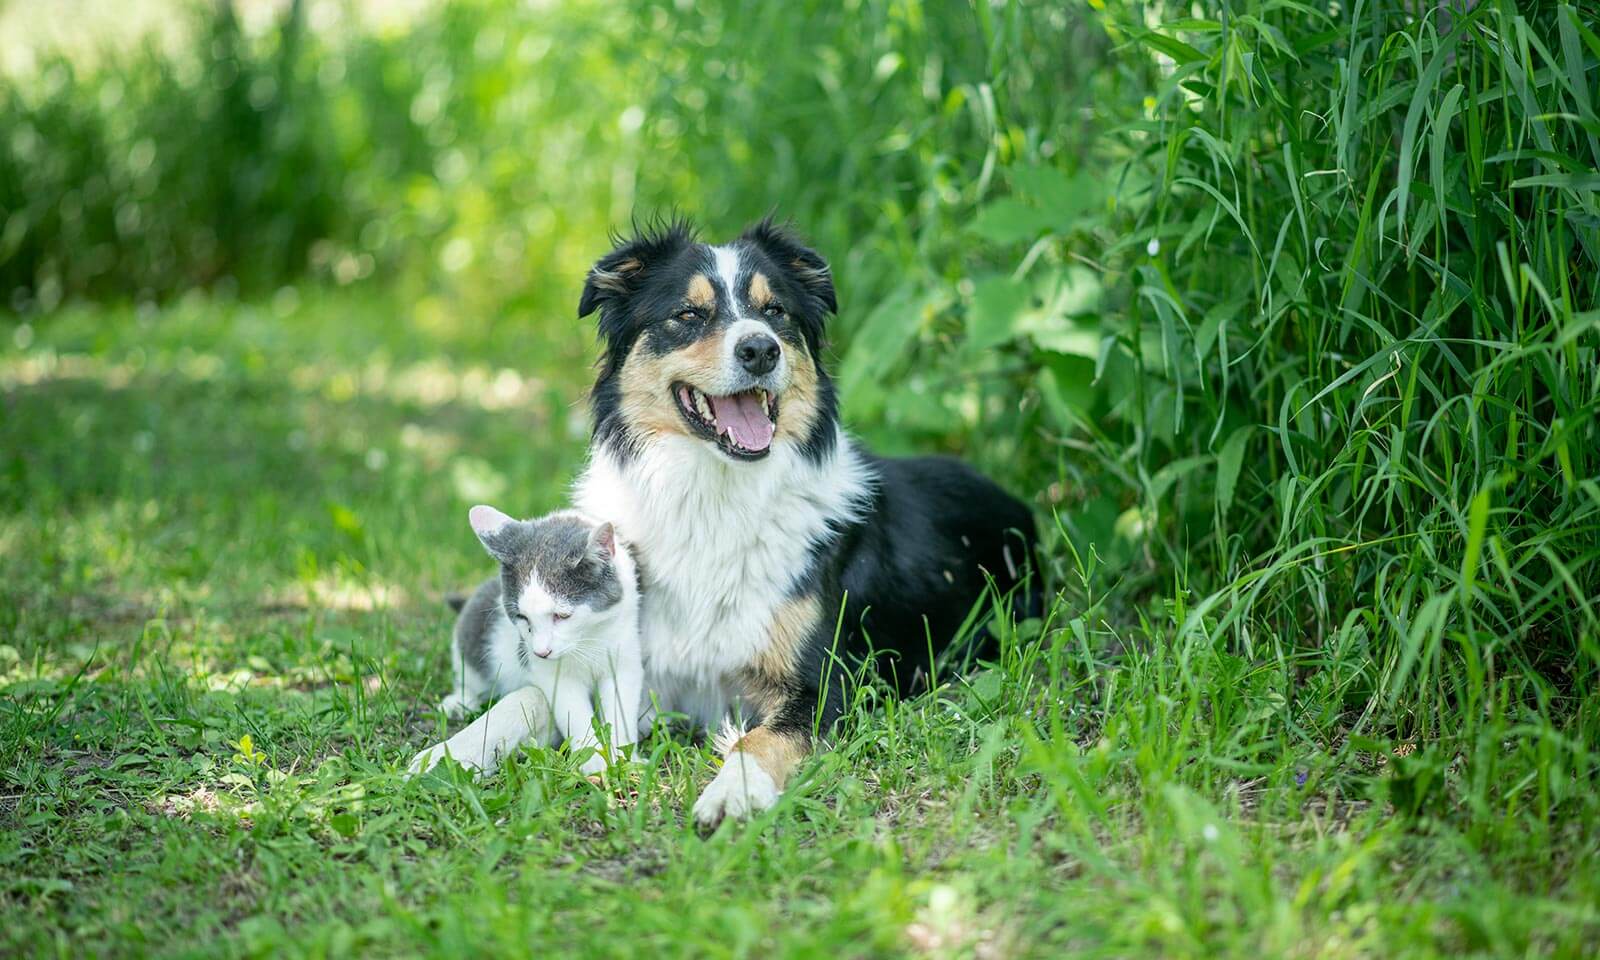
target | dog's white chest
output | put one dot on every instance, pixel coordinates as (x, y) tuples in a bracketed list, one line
[(719, 546)]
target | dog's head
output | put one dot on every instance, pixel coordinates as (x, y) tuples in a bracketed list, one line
[(718, 344)]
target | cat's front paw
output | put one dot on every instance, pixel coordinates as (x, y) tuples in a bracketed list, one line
[(456, 706), (594, 764), (429, 758), (425, 761), (739, 790)]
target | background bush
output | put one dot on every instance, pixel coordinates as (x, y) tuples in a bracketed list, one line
[(1285, 313)]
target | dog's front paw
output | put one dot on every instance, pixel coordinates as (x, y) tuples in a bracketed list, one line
[(740, 789)]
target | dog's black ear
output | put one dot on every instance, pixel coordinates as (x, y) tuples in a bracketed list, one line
[(611, 276), (805, 265), (617, 274)]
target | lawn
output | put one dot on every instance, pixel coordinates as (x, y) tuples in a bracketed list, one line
[(226, 531)]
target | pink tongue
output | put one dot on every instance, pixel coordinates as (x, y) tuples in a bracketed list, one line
[(745, 419)]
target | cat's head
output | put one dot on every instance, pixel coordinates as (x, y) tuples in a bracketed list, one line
[(558, 574)]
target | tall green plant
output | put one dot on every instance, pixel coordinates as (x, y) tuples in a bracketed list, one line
[(1373, 311)]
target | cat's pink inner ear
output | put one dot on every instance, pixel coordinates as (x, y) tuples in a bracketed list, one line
[(486, 520), (605, 536)]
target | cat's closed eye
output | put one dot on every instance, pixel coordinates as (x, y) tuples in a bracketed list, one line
[(559, 615)]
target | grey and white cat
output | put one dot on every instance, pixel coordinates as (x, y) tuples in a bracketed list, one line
[(557, 629)]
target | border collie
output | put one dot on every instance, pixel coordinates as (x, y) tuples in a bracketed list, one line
[(773, 551)]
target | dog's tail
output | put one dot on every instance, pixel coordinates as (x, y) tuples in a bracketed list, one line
[(456, 601)]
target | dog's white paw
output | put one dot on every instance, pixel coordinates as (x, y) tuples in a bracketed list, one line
[(740, 789)]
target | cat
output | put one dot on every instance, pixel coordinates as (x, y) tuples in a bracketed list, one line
[(558, 627)]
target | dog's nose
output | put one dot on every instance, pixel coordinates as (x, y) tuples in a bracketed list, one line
[(757, 353)]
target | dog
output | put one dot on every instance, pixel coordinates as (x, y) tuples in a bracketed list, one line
[(774, 552)]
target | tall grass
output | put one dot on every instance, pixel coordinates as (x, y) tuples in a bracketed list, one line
[(1367, 350)]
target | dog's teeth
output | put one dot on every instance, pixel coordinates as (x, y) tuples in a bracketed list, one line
[(701, 405)]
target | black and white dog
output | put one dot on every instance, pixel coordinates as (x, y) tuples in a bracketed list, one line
[(758, 526)]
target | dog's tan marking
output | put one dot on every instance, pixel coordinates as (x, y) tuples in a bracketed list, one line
[(766, 678), (700, 293), (792, 624), (760, 290), (797, 408), (776, 752), (646, 380)]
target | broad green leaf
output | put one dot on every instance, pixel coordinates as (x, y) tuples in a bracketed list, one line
[(1172, 47), (996, 304), (1010, 220), (1171, 474), (1229, 461), (1058, 296), (923, 410), (1572, 181), (883, 337), (1193, 25), (1060, 196), (1477, 521), (345, 824), (1066, 387)]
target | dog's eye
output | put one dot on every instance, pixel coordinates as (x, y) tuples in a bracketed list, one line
[(773, 310), (687, 316)]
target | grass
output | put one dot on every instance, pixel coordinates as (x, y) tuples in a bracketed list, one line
[(227, 521)]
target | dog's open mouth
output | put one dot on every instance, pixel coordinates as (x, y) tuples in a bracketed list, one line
[(742, 424)]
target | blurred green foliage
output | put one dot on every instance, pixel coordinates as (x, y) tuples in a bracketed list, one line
[(246, 160)]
